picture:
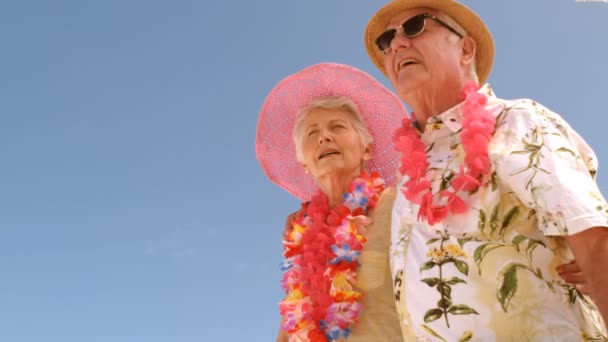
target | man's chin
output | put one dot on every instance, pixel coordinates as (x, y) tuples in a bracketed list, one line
[(405, 87)]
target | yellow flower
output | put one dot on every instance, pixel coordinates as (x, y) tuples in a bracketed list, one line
[(436, 126), (340, 283), (353, 228), (436, 253), (346, 296), (294, 295), (297, 232), (455, 251)]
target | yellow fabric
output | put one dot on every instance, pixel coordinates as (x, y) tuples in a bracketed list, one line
[(378, 320)]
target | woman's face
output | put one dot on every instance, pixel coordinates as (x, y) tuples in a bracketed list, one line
[(330, 143)]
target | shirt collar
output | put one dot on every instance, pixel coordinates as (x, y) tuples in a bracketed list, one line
[(452, 118)]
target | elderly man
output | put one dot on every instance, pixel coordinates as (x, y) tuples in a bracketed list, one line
[(494, 195)]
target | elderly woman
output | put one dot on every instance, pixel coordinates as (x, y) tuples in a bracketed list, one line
[(337, 278)]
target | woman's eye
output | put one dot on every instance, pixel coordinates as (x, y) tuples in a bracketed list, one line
[(311, 133)]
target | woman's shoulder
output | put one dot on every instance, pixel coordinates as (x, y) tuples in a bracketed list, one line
[(386, 199), (378, 235)]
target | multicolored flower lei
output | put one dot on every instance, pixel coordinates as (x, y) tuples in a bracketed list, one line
[(321, 259), (477, 129)]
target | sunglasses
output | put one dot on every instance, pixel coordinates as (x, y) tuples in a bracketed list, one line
[(411, 28)]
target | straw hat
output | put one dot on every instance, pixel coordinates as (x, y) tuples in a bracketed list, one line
[(465, 17), (381, 110)]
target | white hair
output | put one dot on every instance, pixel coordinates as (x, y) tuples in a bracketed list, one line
[(331, 102)]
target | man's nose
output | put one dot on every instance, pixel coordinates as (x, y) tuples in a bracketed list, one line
[(400, 40)]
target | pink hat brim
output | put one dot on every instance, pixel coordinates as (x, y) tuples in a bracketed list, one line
[(381, 110)]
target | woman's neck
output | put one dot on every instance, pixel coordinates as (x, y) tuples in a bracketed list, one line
[(334, 185)]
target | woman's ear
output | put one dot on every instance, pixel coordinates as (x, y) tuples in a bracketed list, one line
[(367, 152)]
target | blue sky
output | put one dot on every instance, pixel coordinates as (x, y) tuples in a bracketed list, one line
[(132, 207)]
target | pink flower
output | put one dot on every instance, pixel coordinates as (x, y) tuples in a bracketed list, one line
[(415, 188), (477, 129), (344, 313), (464, 182), (433, 213), (478, 165), (309, 275), (476, 143), (470, 88), (455, 204)]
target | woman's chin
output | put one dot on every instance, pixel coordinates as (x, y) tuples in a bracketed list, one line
[(337, 171)]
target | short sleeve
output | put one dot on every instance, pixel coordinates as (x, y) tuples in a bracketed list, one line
[(549, 168)]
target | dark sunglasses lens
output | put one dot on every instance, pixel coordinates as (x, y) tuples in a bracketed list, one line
[(384, 40), (413, 26)]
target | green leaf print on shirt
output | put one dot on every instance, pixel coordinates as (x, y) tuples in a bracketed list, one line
[(432, 332), (509, 218), (507, 277), (532, 145), (481, 251), (442, 256), (507, 284)]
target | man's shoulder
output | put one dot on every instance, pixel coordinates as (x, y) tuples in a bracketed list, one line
[(525, 109), (522, 104), (527, 116)]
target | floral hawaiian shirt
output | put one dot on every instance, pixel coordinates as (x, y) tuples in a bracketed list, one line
[(489, 274)]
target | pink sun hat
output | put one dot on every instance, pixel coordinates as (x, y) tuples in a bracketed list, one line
[(381, 110)]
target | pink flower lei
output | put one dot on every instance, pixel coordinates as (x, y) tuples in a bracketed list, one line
[(321, 258), (477, 129)]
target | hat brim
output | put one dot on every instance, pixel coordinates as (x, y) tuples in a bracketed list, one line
[(381, 110), (464, 16)]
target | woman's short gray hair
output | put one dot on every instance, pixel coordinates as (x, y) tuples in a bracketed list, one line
[(331, 102)]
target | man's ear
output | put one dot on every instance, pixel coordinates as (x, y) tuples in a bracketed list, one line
[(469, 47)]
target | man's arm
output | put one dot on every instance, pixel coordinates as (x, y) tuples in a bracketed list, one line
[(590, 248)]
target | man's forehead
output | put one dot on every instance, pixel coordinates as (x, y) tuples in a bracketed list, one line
[(400, 17)]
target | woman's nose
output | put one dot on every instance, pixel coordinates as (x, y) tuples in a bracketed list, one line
[(324, 138)]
